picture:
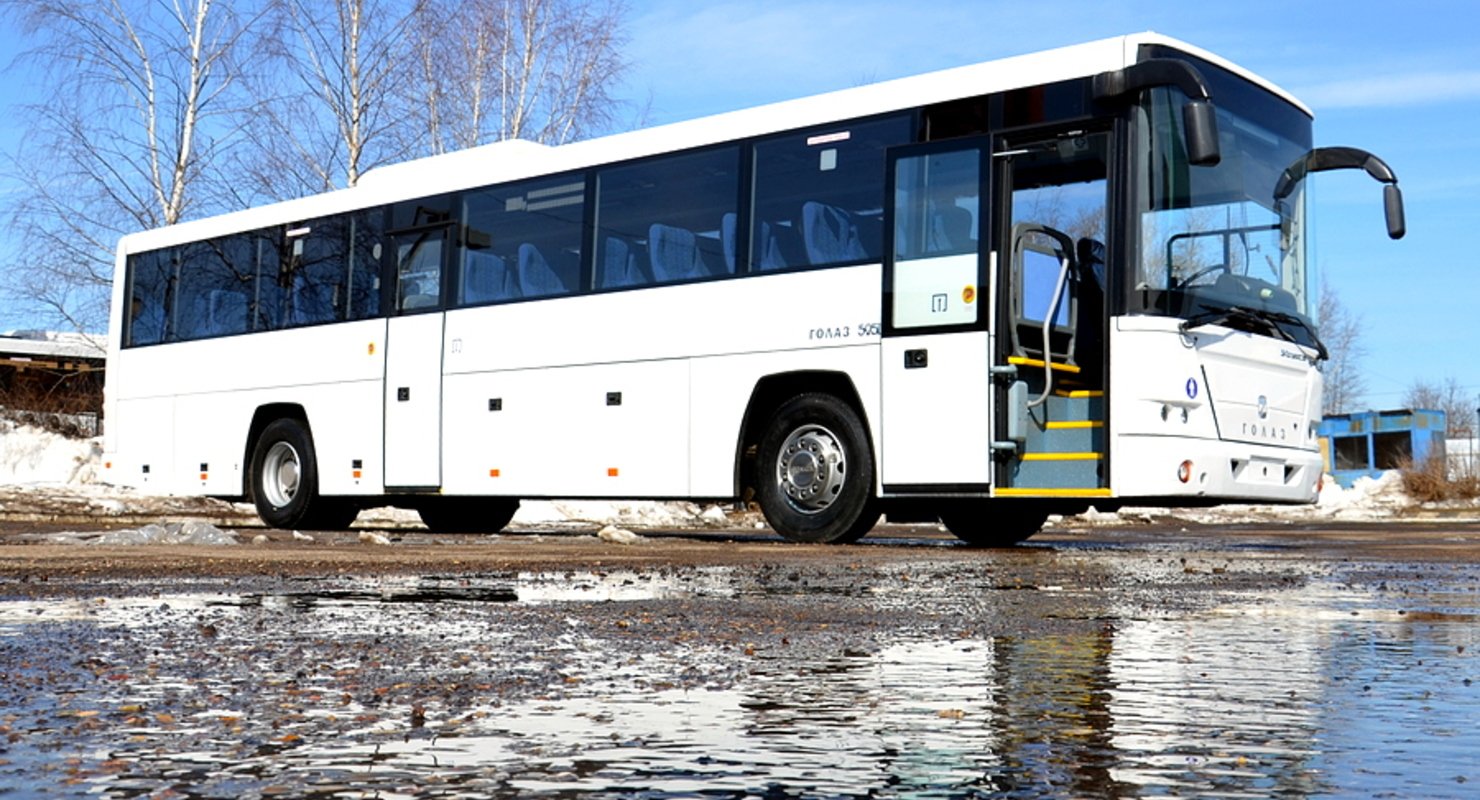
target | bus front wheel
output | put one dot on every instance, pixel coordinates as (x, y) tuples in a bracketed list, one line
[(285, 481), (815, 472)]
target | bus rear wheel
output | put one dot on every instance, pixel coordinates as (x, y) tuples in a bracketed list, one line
[(285, 481), (815, 474), (467, 514), (992, 524)]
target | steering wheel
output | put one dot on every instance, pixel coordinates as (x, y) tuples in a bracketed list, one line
[(1187, 281)]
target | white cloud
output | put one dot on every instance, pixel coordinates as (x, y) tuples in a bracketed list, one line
[(1386, 91)]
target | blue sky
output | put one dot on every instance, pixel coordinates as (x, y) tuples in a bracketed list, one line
[(1402, 80)]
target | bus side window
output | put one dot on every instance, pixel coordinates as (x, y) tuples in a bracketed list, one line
[(319, 253), (365, 231), (216, 284), (151, 275), (522, 240), (663, 220), (819, 195)]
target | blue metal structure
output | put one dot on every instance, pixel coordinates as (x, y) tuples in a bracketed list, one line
[(1371, 442)]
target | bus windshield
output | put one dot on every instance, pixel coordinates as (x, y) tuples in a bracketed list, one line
[(1215, 240)]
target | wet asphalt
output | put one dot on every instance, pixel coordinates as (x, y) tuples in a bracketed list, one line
[(1147, 661)]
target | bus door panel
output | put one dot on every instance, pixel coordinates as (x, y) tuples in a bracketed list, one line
[(1050, 430), (413, 362), (935, 426), (413, 401)]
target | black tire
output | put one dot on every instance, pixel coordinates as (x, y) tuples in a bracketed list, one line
[(992, 524), (285, 481), (815, 472), (467, 514)]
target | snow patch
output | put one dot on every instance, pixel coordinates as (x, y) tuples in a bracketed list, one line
[(615, 535), (30, 456)]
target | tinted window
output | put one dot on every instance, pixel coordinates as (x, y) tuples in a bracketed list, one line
[(667, 220), (326, 270), (316, 278), (366, 231), (522, 240), (151, 279), (216, 287), (819, 196)]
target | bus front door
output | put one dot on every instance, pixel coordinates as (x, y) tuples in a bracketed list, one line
[(1050, 357), (413, 363), (936, 391)]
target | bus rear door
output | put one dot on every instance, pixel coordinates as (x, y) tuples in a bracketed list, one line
[(413, 361)]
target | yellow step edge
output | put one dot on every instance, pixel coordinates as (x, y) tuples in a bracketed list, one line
[(1075, 424), (1081, 393), (1062, 456), (1020, 491), (1033, 362)]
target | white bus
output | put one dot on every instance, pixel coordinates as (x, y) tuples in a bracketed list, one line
[(981, 295)]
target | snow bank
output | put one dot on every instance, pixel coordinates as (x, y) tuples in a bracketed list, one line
[(30, 456), (1368, 499)]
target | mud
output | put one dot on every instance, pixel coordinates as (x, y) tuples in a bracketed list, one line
[(1128, 662)]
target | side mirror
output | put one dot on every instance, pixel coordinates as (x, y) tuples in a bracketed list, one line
[(1200, 123), (1198, 119), (1324, 158), (1392, 206)]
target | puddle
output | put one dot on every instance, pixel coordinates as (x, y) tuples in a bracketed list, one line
[(652, 685)]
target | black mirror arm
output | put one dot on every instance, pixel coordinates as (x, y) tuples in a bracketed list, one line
[(1150, 74), (1200, 123), (1322, 159)]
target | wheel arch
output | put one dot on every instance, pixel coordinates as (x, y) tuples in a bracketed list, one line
[(265, 415), (768, 395)]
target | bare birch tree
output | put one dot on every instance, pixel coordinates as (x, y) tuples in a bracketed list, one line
[(330, 107), (1341, 332), (542, 70), (1449, 396), (134, 114)]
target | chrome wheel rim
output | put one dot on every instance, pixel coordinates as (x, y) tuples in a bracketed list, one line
[(281, 472), (810, 468)]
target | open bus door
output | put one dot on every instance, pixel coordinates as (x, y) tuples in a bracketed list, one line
[(936, 428), (1050, 359)]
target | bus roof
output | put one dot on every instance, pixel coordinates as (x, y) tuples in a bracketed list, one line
[(516, 159)]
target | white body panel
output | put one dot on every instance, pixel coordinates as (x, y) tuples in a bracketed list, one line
[(1185, 397), (670, 352), (174, 407)]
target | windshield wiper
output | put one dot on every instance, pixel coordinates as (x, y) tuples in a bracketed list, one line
[(1268, 320)]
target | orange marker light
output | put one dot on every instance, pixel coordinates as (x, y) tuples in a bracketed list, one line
[(611, 472), (493, 473), (356, 474), (372, 348), (1184, 471), (968, 295)]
